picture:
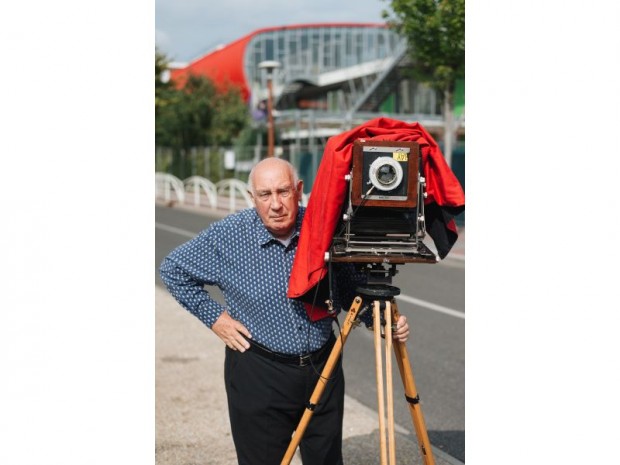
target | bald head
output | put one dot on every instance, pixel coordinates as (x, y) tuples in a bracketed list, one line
[(269, 163)]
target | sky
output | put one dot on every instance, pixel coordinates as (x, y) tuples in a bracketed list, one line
[(187, 29)]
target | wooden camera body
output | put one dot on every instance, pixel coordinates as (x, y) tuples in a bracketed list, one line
[(389, 170), (383, 217)]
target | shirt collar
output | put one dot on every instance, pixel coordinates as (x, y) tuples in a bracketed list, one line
[(264, 237)]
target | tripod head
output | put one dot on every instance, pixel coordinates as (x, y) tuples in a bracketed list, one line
[(378, 273), (378, 285)]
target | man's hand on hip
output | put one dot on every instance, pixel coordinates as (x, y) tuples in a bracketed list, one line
[(231, 332)]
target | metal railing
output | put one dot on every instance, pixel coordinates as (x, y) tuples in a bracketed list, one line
[(198, 184), (235, 189), (167, 184), (227, 194)]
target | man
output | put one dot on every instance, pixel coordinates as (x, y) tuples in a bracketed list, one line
[(274, 352)]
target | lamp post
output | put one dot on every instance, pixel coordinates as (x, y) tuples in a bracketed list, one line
[(269, 66)]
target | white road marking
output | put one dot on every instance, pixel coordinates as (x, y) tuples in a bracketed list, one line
[(431, 306), (172, 229)]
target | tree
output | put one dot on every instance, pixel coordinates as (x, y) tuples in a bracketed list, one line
[(161, 85), (231, 116), (194, 112), (165, 98), (435, 32), (196, 115)]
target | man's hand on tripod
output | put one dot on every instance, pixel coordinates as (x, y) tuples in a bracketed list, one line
[(231, 332), (400, 332)]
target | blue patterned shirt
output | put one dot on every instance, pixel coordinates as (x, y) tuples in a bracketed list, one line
[(252, 268)]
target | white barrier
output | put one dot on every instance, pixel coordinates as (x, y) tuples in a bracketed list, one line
[(195, 184), (166, 183), (234, 187)]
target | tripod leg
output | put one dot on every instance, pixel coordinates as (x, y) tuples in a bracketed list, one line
[(320, 385), (404, 366), (389, 384), (379, 371)]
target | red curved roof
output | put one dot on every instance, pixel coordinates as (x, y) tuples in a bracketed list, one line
[(224, 66)]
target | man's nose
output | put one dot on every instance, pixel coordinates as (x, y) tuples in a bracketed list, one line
[(275, 202)]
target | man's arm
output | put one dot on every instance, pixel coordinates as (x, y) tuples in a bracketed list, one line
[(187, 287), (185, 272)]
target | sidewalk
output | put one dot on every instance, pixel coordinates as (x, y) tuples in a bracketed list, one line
[(191, 409)]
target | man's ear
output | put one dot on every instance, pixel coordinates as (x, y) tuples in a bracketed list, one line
[(300, 191), (252, 197)]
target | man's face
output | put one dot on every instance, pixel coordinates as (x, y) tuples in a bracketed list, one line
[(276, 197)]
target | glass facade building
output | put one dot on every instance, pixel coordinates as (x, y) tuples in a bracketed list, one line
[(340, 68), (307, 52), (332, 77)]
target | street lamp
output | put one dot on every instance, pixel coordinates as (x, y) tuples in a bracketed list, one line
[(269, 66)]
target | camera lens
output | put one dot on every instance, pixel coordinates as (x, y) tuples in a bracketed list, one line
[(386, 174)]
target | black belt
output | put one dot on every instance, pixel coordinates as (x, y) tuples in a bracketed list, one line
[(299, 360)]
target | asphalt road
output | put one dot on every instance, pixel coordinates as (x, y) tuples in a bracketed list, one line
[(432, 297)]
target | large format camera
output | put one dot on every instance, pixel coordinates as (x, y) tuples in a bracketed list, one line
[(383, 216)]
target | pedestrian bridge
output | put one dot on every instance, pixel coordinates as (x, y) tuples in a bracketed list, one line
[(196, 191)]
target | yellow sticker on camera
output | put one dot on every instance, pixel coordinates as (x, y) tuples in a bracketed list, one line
[(400, 156)]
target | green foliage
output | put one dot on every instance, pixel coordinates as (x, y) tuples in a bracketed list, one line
[(161, 63), (193, 113), (247, 136), (435, 31), (198, 115), (230, 118)]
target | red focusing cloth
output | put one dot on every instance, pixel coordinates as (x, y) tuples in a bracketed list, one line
[(445, 200)]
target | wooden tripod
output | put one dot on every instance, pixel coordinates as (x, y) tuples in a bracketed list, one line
[(381, 298)]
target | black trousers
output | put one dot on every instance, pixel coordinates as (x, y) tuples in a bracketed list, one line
[(266, 400)]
